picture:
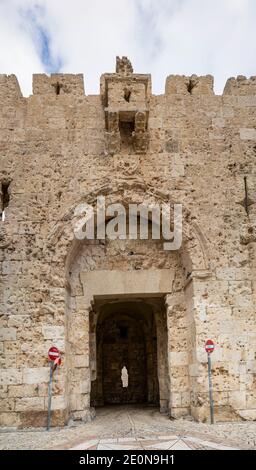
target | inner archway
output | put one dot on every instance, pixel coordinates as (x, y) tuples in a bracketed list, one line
[(126, 338)]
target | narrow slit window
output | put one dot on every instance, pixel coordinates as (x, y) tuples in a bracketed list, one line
[(5, 198), (190, 86), (57, 88)]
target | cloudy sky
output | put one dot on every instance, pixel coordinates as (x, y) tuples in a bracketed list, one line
[(161, 37)]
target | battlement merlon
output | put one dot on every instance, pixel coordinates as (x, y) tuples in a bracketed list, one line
[(193, 85), (58, 84), (9, 87), (241, 86)]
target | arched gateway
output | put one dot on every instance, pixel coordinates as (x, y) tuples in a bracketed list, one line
[(130, 303)]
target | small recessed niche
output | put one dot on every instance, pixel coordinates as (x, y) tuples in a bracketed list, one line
[(190, 86), (126, 130), (57, 87), (127, 95)]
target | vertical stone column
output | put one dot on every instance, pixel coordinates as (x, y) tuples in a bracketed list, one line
[(162, 361), (194, 370), (93, 316), (205, 301), (80, 377), (177, 344)]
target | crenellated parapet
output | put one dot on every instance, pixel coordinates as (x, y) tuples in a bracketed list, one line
[(125, 92)]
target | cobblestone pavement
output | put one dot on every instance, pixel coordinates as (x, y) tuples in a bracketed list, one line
[(135, 427)]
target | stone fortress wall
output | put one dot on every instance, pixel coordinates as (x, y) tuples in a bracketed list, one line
[(60, 147)]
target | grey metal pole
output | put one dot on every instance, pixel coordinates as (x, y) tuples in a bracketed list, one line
[(50, 397), (210, 387)]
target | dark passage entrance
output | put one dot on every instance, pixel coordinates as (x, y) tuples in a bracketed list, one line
[(126, 355)]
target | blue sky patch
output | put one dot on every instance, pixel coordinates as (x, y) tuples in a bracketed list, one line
[(32, 22)]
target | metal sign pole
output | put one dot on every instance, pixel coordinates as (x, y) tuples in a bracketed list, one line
[(210, 387), (50, 397)]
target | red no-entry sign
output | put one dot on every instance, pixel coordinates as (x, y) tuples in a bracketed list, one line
[(54, 357), (209, 346), (53, 353)]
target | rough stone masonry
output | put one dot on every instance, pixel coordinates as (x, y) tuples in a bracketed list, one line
[(110, 304)]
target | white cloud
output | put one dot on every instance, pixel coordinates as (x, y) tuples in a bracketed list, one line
[(160, 37)]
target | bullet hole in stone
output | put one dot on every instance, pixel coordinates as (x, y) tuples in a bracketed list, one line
[(131, 253), (250, 230)]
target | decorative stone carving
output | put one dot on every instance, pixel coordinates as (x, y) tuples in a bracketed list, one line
[(113, 139), (128, 165), (140, 135)]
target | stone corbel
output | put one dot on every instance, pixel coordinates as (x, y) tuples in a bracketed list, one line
[(113, 138)]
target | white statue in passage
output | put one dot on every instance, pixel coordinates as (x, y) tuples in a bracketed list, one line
[(124, 377)]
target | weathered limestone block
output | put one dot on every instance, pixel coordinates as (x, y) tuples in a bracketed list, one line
[(27, 404), (10, 419), (20, 391), (237, 399), (36, 375), (53, 332), (11, 377), (7, 404), (178, 358), (19, 320), (80, 361), (248, 133), (7, 334), (58, 403)]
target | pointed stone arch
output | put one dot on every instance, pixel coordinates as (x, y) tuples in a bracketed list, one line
[(63, 246), (62, 250)]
